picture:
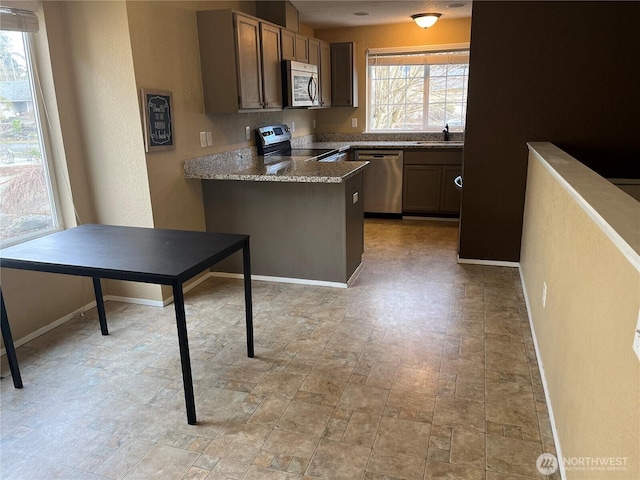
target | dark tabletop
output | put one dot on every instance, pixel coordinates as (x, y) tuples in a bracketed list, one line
[(124, 253)]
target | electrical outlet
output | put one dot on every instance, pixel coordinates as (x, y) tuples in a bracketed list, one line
[(354, 122), (314, 123), (544, 294), (636, 338), (355, 197), (209, 139), (247, 132), (293, 126), (203, 139)]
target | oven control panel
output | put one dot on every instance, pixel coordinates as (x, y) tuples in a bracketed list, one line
[(272, 134)]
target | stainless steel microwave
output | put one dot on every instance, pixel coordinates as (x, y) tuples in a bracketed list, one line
[(300, 84)]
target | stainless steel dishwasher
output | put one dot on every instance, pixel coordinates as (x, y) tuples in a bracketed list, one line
[(382, 181)]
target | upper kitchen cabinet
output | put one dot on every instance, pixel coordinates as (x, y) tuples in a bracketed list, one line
[(294, 46), (320, 55), (246, 76), (271, 66), (344, 78)]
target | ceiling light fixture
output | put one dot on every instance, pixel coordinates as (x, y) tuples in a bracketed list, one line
[(426, 20)]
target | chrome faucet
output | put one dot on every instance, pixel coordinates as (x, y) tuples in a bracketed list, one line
[(446, 132)]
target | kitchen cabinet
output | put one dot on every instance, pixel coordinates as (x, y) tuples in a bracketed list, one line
[(428, 181), (320, 55), (344, 77), (271, 65), (421, 188), (294, 46), (248, 75)]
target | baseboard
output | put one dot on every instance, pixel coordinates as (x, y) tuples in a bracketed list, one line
[(556, 440), (166, 301), (354, 275), (267, 278), (51, 326), (433, 219), (490, 263), (135, 300), (112, 298)]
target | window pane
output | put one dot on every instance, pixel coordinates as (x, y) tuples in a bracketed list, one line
[(380, 117), (436, 114), (456, 69), (438, 70), (415, 90), (397, 90), (26, 205)]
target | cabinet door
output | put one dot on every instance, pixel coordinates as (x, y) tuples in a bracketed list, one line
[(271, 66), (324, 74), (450, 200), (421, 188), (302, 48), (314, 52), (344, 91), (320, 56), (288, 40), (248, 62)]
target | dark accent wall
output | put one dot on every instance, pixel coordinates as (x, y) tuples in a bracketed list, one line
[(563, 72)]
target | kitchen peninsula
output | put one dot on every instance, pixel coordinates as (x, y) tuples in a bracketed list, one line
[(305, 218)]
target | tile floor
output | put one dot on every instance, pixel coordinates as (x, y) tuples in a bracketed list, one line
[(423, 369)]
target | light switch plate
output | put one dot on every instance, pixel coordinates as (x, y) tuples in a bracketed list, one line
[(355, 197), (209, 139), (293, 126), (203, 139), (354, 122), (247, 132)]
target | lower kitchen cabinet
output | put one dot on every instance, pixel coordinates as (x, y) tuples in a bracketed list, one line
[(421, 188), (428, 186), (450, 197)]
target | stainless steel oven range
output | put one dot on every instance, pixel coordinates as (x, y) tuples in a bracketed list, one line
[(275, 140)]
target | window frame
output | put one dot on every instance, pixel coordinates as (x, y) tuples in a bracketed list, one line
[(40, 113), (450, 47)]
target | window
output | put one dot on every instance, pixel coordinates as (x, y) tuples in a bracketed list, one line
[(27, 206), (417, 90)]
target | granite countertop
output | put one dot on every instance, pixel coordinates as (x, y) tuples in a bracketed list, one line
[(277, 169), (245, 165), (359, 144)]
